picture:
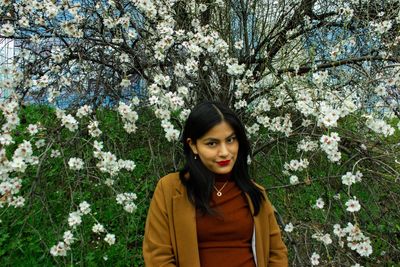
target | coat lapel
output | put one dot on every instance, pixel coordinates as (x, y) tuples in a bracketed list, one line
[(185, 230), (258, 235)]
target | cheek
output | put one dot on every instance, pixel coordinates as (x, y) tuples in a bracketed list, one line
[(235, 149), (204, 152)]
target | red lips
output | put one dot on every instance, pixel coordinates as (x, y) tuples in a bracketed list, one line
[(224, 162)]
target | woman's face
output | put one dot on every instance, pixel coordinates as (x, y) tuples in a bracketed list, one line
[(217, 149)]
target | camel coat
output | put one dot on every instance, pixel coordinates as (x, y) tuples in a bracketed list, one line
[(170, 237)]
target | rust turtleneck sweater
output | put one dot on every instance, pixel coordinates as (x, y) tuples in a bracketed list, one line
[(224, 239)]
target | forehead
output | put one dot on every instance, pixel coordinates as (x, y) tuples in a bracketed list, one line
[(221, 130)]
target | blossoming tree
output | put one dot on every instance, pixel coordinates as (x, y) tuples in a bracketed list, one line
[(321, 77)]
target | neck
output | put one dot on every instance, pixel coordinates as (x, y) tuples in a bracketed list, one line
[(222, 177)]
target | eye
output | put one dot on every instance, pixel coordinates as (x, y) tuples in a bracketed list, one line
[(211, 144), (232, 139)]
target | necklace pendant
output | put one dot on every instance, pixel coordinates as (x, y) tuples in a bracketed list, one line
[(219, 192)]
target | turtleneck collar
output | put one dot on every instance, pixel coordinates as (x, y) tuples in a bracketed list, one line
[(222, 177)]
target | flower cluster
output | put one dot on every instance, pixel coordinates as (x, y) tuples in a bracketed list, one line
[(10, 187), (94, 130), (75, 164), (129, 117), (10, 112), (235, 69), (320, 77), (67, 120), (171, 133), (346, 10), (356, 240), (108, 162), (262, 106), (382, 27), (324, 238), (307, 145), (84, 111), (164, 102), (98, 228), (379, 126), (328, 116), (296, 165), (350, 178), (244, 86), (126, 200), (74, 220), (330, 145), (281, 124), (304, 103), (327, 107), (252, 130), (21, 158)]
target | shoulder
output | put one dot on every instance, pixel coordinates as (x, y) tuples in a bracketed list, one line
[(267, 203), (171, 179), (170, 183), (262, 188)]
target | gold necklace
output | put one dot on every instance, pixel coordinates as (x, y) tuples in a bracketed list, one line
[(219, 192)]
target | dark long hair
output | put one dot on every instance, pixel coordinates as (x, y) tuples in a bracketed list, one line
[(195, 176)]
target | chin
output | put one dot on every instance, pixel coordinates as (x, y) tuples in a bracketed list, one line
[(223, 171)]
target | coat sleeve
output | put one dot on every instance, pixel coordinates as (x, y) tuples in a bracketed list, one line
[(278, 254), (157, 247)]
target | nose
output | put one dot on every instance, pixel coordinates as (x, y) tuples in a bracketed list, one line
[(223, 151)]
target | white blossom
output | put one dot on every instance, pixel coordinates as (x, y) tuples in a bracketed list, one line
[(235, 69), (75, 164), (315, 259), (69, 122), (289, 227), (33, 129), (74, 219), (294, 179), (353, 205), (59, 250), (84, 207), (319, 203), (110, 239), (68, 238), (7, 29), (98, 228), (55, 153), (84, 111), (40, 143)]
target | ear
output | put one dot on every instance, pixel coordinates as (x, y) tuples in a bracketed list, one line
[(192, 145)]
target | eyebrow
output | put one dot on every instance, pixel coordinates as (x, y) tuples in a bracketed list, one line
[(215, 139)]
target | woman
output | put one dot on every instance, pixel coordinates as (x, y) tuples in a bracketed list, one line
[(211, 213)]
